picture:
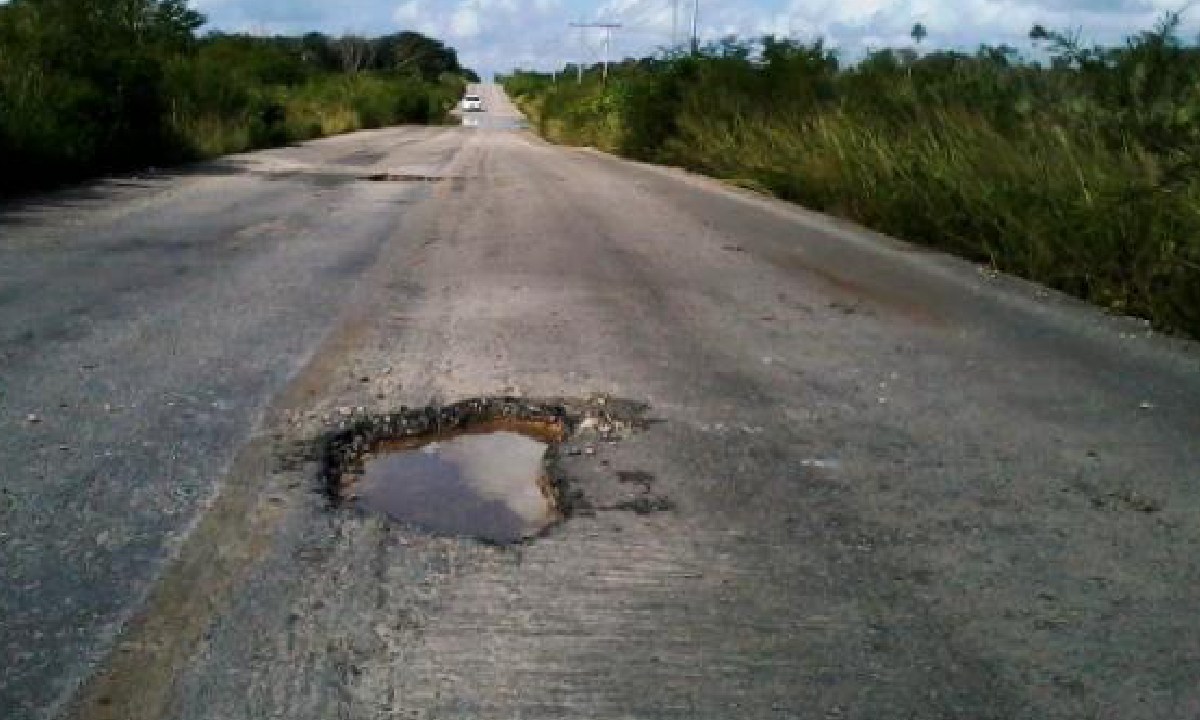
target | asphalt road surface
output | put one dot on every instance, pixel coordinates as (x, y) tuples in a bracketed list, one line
[(900, 486)]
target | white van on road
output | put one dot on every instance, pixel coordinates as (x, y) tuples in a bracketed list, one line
[(472, 103)]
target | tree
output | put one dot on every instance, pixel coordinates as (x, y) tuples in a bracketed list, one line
[(356, 53), (83, 85), (416, 54), (317, 51), (919, 33)]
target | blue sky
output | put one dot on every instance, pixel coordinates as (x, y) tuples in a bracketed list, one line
[(501, 34)]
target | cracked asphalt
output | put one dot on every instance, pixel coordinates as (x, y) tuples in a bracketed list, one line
[(899, 486)]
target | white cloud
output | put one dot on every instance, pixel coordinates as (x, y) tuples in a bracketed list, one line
[(501, 34), (465, 23), (409, 13)]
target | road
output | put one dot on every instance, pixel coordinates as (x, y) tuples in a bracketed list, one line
[(901, 486)]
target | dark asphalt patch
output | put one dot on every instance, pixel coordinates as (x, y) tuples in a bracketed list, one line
[(363, 158), (403, 177)]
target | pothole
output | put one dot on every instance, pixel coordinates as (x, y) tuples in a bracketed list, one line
[(483, 468), (403, 177), (495, 123), (486, 484)]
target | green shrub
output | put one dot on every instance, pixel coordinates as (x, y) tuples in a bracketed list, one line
[(1082, 174), (91, 86)]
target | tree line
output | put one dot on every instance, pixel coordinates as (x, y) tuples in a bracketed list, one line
[(92, 86)]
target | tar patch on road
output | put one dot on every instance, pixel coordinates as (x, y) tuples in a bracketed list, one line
[(403, 177), (484, 468)]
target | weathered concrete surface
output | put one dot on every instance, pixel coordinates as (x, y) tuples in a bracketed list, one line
[(901, 488), (145, 323)]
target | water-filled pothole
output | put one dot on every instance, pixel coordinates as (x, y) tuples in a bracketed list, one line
[(491, 485), (495, 122), (474, 469), (483, 468)]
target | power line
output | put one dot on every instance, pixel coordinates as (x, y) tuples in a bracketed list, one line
[(608, 28)]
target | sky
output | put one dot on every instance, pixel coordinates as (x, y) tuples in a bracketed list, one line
[(500, 35)]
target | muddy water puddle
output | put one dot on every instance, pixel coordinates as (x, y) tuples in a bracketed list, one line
[(487, 468), (493, 122), (487, 485)]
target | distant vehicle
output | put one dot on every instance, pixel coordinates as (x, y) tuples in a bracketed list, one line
[(472, 103)]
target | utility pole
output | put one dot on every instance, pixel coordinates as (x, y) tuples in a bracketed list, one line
[(674, 25), (695, 27), (582, 50), (608, 28)]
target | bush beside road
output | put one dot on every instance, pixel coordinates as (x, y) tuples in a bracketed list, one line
[(1077, 171), (94, 87)]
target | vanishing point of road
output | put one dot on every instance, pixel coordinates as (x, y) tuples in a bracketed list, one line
[(900, 486)]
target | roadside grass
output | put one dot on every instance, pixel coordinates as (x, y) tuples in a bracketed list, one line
[(1074, 175), (1079, 217), (90, 88), (324, 106)]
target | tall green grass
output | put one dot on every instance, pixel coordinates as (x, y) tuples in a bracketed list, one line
[(321, 106), (1092, 221), (1081, 174), (93, 86)]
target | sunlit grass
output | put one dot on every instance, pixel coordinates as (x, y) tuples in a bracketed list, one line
[(1076, 216), (1052, 174)]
